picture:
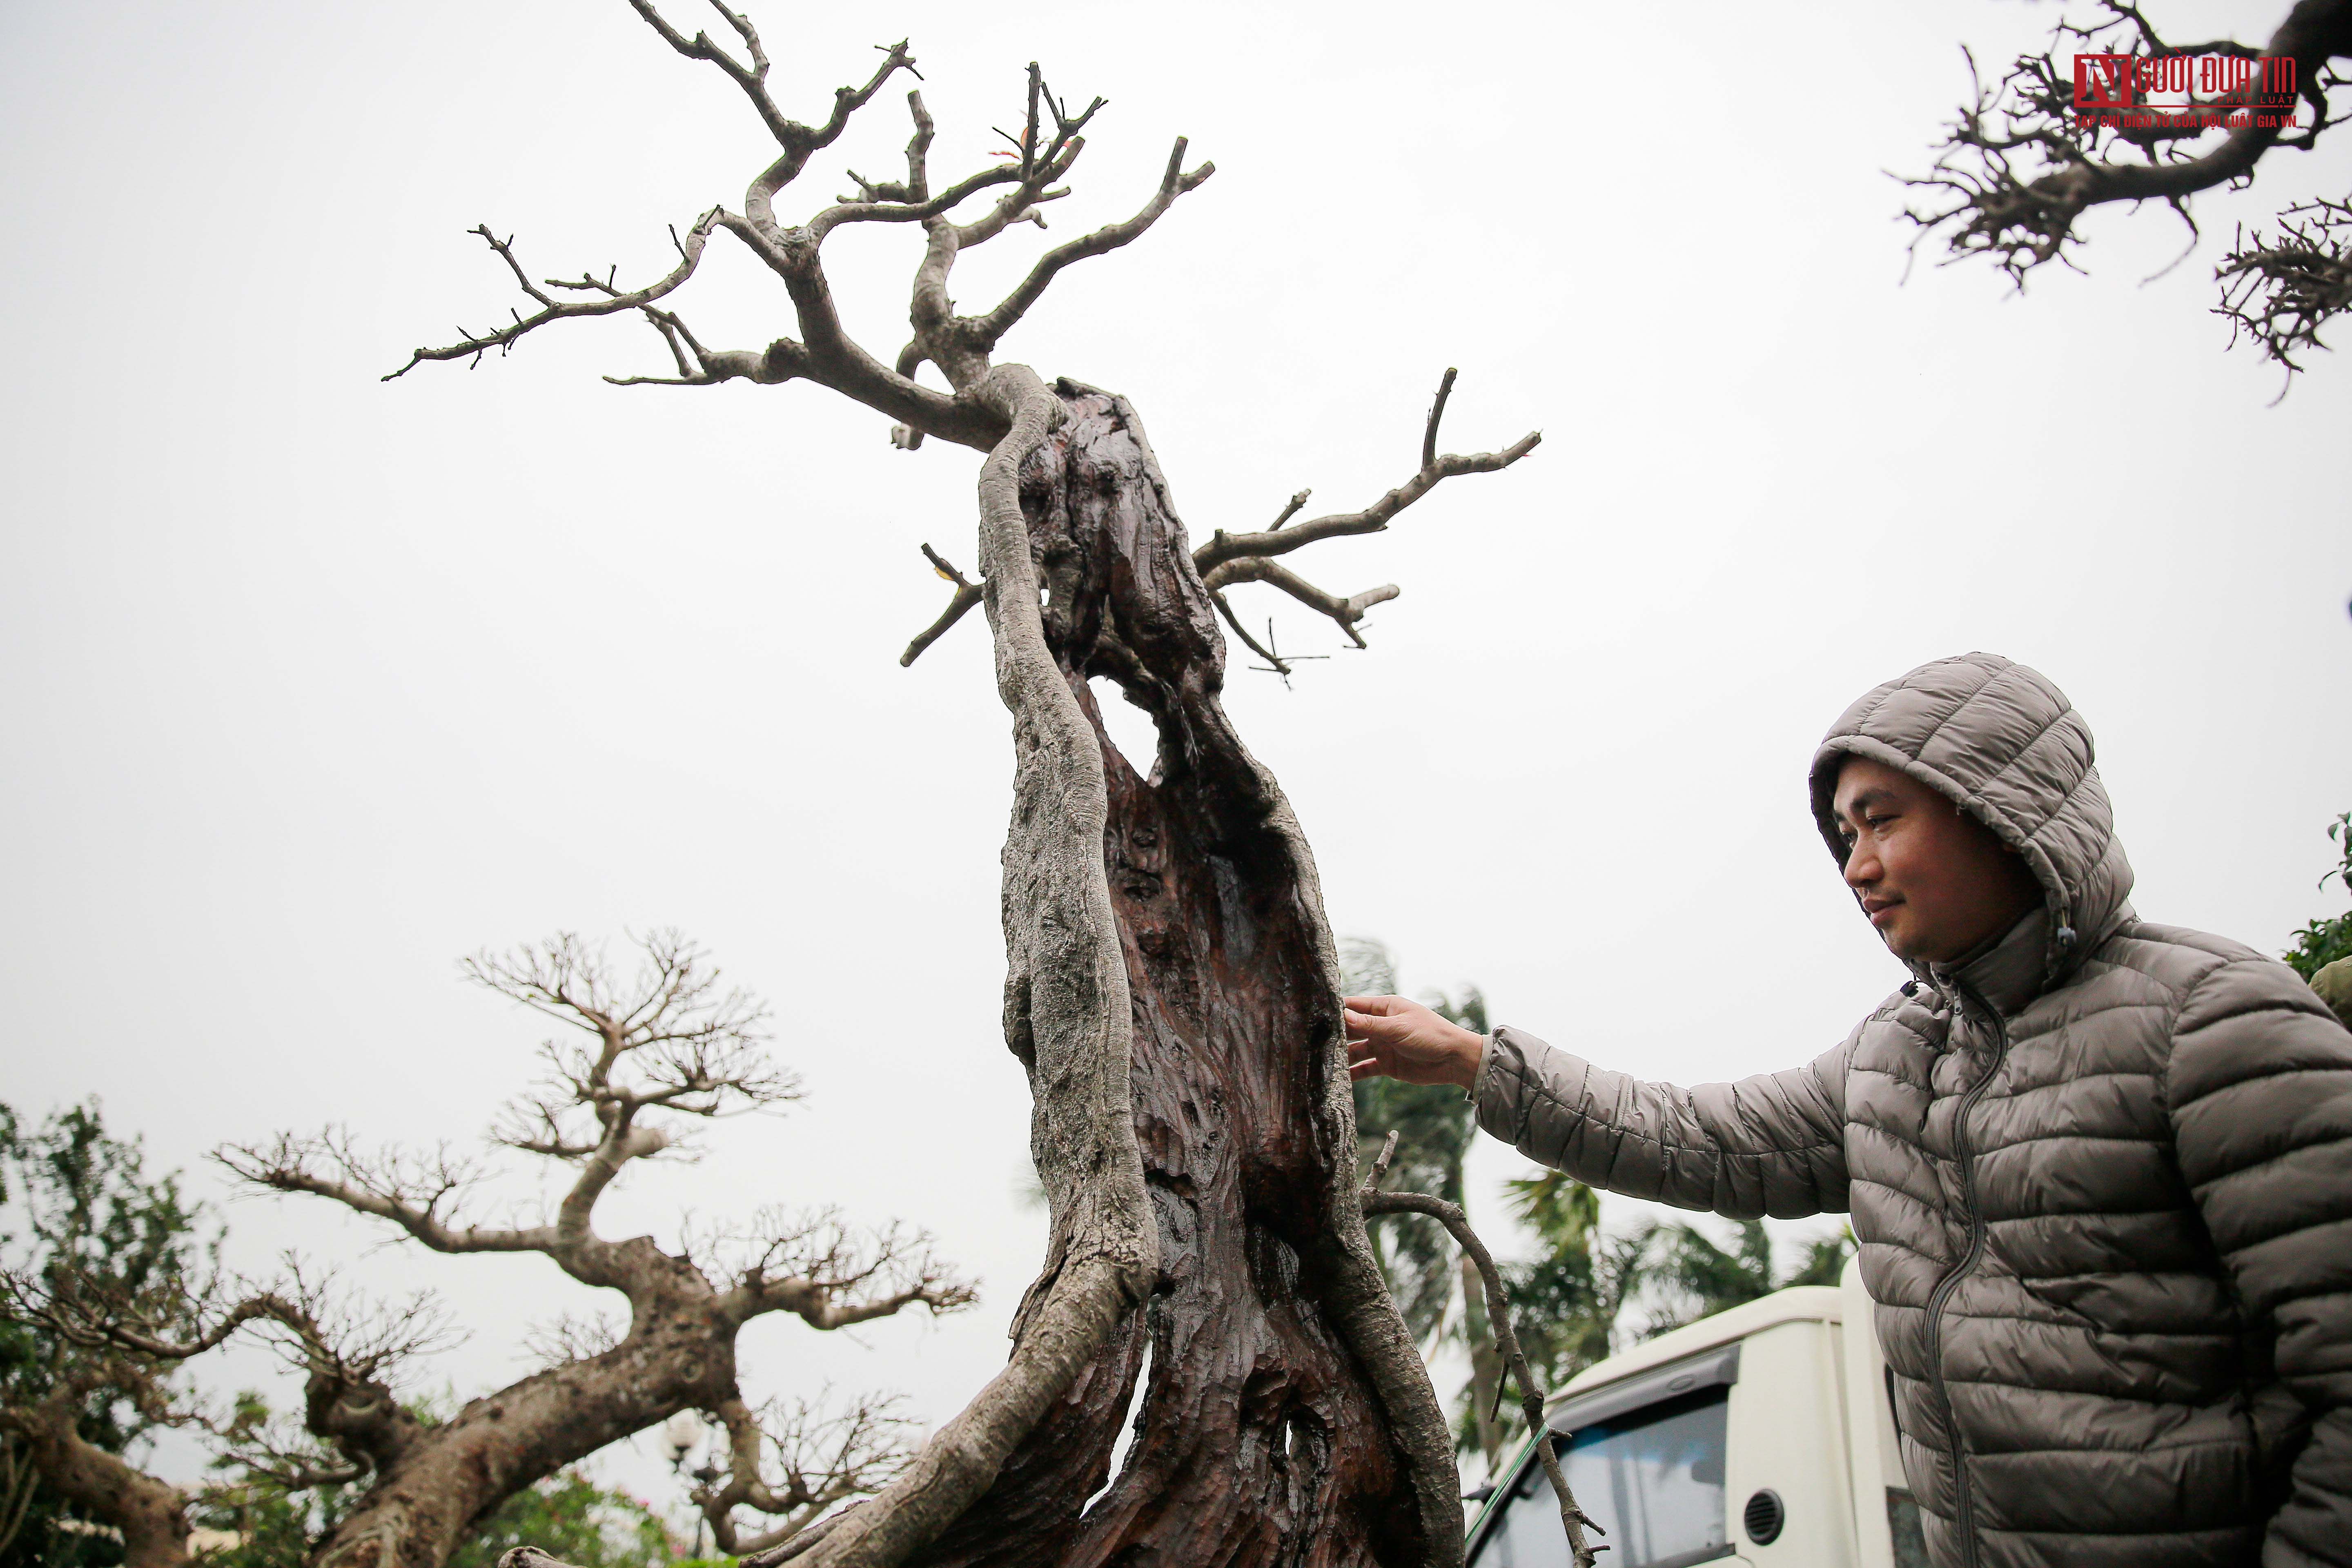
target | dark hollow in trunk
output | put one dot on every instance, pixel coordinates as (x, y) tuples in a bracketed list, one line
[(1280, 1422)]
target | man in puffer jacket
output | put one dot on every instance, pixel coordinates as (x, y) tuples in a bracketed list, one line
[(2100, 1170)]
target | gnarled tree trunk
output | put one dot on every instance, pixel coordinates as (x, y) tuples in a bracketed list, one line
[(1172, 989), (1285, 1417), (152, 1514), (433, 1486)]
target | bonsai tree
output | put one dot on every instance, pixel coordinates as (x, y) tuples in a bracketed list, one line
[(645, 1056), (1172, 989)]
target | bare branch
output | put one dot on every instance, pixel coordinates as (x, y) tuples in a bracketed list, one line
[(824, 1457), (1274, 661), (918, 187), (573, 1336), (133, 1336), (64, 1303), (1173, 183), (824, 351), (810, 1265), (1436, 414), (967, 594), (1381, 1166), (1018, 206), (608, 302), (2279, 293), (799, 142), (1229, 558), (668, 1040), (834, 217), (419, 1195), (686, 1047), (1222, 548), (1572, 1518), (1346, 612), (1984, 203), (829, 356), (958, 607)]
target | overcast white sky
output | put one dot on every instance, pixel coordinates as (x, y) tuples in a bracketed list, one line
[(311, 684)]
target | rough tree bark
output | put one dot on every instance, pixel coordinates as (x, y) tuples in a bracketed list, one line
[(152, 1514), (1287, 1417), (1172, 988)]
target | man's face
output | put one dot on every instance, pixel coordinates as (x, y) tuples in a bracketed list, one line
[(1932, 879)]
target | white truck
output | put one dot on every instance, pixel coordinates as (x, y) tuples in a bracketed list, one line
[(1763, 1435)]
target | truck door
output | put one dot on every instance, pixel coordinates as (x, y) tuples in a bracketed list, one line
[(1646, 1458)]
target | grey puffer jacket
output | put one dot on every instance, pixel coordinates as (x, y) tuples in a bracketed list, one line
[(2101, 1175)]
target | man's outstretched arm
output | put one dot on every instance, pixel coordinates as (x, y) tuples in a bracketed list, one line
[(1772, 1144)]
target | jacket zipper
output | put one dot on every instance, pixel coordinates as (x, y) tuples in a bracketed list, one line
[(1963, 1508)]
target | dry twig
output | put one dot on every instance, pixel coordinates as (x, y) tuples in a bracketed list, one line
[(2282, 291), (1230, 558), (2020, 163), (824, 1457), (967, 594), (1572, 1518)]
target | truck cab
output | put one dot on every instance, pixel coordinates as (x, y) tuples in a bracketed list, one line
[(1763, 1435)]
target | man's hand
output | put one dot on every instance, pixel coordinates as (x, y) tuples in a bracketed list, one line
[(1389, 1036)]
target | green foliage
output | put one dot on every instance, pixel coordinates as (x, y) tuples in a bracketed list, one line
[(1823, 1261), (85, 1205), (575, 1521), (1565, 1303), (567, 1515), (275, 1526), (1696, 1278), (1569, 1300), (2322, 943), (76, 1205)]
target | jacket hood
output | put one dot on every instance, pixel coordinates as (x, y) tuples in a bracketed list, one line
[(2002, 742)]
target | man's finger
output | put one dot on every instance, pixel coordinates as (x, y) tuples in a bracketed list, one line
[(1377, 1006), (1369, 1067)]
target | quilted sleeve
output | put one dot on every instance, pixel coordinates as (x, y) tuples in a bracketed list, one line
[(1772, 1144), (2260, 1091)]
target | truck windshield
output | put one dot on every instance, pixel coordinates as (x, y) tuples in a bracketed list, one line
[(1652, 1477)]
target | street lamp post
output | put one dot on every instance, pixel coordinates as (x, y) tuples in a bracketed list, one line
[(682, 1434)]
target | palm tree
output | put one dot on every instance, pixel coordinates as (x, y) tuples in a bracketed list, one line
[(1694, 1277), (1568, 1300)]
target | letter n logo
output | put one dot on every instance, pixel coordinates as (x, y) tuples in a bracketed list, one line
[(2103, 82)]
